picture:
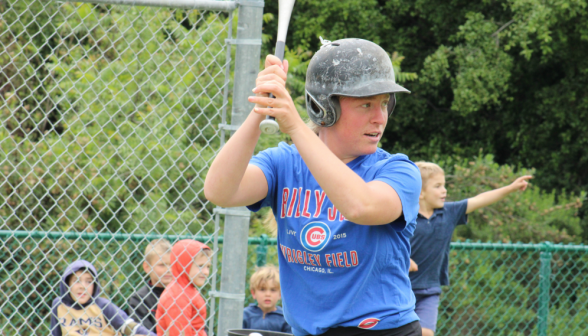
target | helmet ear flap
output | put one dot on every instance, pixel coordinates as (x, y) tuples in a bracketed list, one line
[(316, 112), (391, 104), (336, 105)]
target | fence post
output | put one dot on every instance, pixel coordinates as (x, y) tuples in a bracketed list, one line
[(544, 288), (261, 251), (236, 230)]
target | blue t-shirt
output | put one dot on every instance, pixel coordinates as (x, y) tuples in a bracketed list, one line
[(334, 272), (430, 245), (273, 321)]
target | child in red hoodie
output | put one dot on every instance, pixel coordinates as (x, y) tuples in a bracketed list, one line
[(181, 309)]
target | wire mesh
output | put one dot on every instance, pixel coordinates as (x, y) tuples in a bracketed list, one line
[(109, 120), (496, 289), (513, 289), (505, 289)]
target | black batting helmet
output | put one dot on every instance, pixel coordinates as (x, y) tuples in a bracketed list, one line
[(348, 67)]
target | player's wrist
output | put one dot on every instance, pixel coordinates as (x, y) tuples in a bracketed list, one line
[(256, 116), (299, 130), (512, 188)]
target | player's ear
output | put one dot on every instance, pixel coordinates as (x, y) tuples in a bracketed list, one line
[(252, 293), (146, 267)]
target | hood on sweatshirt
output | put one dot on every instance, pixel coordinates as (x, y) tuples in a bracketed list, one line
[(182, 258), (69, 271)]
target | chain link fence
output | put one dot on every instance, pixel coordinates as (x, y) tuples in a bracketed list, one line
[(504, 289), (516, 289), (110, 116), (496, 289)]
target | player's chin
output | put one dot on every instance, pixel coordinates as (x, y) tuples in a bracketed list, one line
[(370, 149), (361, 149)]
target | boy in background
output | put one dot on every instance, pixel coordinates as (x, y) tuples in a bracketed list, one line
[(80, 311), (143, 303), (265, 315), (436, 221), (181, 309)]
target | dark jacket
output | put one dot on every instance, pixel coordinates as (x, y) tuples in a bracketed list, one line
[(143, 305), (96, 317), (273, 321)]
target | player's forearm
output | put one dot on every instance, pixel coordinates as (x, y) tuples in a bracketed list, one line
[(350, 194), (488, 198), (228, 168)]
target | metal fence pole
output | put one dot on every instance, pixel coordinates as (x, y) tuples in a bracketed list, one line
[(234, 261), (544, 288)]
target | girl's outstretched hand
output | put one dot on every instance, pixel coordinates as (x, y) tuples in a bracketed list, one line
[(521, 183)]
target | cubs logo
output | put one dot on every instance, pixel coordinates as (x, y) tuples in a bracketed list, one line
[(315, 236), (368, 323)]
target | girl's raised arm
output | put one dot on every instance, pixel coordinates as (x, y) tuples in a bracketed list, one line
[(231, 181)]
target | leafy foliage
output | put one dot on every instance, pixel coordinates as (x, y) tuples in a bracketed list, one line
[(136, 110), (506, 76), (530, 216)]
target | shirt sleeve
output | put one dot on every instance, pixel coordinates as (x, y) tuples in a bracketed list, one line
[(55, 327), (115, 316), (179, 316), (118, 319), (404, 177), (267, 161), (247, 317), (134, 310), (457, 211)]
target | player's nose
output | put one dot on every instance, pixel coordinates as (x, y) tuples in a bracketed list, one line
[(379, 115)]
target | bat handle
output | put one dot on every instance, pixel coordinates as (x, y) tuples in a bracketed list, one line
[(270, 125), (279, 52)]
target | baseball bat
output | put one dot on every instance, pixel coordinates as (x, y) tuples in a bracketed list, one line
[(269, 125)]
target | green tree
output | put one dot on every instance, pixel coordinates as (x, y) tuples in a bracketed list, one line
[(506, 76)]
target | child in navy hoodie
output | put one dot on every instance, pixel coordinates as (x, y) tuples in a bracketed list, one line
[(265, 315), (79, 311)]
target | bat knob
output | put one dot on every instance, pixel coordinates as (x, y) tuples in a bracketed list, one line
[(269, 126)]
